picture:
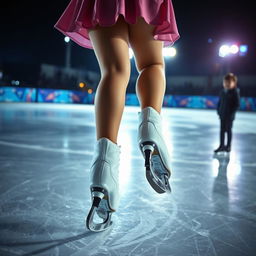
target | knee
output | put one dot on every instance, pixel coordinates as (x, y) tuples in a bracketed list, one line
[(157, 65), (117, 71)]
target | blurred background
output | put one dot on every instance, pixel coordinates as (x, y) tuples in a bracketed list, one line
[(38, 64)]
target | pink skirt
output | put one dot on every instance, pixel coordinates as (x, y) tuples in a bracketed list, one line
[(81, 15)]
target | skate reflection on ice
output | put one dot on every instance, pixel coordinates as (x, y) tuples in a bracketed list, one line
[(215, 166), (234, 168), (233, 165), (220, 193)]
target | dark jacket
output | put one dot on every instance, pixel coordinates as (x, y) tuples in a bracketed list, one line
[(229, 102)]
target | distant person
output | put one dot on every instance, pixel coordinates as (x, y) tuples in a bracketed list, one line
[(228, 104), (110, 27)]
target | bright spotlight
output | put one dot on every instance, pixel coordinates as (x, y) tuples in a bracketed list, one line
[(233, 49), (66, 39), (173, 52), (130, 53), (169, 52), (243, 49), (224, 50)]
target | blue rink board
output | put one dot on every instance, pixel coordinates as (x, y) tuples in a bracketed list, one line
[(18, 94)]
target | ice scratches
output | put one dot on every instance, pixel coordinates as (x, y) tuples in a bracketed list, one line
[(11, 251), (231, 245), (212, 247), (244, 214), (194, 225), (13, 192), (137, 233), (143, 227), (95, 245), (236, 234), (48, 149), (196, 245), (148, 234), (234, 239), (148, 226)]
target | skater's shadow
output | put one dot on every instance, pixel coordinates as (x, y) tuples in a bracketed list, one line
[(53, 243), (220, 193)]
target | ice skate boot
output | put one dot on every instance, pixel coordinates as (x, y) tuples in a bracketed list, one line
[(227, 149), (154, 150), (104, 177), (219, 149)]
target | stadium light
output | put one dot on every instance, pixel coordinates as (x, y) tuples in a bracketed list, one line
[(243, 49), (224, 50), (169, 52), (66, 39), (68, 52), (232, 49)]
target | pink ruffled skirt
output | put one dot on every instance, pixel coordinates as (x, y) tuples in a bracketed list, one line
[(81, 15)]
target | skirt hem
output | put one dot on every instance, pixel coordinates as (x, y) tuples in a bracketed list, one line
[(73, 24)]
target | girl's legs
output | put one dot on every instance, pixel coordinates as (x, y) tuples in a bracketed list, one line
[(151, 85), (150, 89), (111, 48)]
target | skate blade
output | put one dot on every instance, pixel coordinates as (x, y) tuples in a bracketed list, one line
[(156, 173), (158, 164), (99, 217), (154, 183), (159, 184)]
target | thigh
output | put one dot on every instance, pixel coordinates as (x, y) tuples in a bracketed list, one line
[(111, 46), (146, 49)]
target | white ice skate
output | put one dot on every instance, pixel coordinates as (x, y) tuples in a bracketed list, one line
[(154, 150), (104, 176)]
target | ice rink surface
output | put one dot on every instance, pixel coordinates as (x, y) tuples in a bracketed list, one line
[(45, 155)]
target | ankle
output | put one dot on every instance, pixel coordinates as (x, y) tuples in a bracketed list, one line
[(111, 140)]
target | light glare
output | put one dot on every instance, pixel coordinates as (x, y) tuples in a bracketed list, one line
[(243, 50), (66, 39), (169, 52), (224, 50), (234, 49)]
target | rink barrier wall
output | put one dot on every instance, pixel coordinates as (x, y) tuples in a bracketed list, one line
[(18, 94)]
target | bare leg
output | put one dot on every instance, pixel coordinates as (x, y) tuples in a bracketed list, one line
[(111, 48), (151, 84)]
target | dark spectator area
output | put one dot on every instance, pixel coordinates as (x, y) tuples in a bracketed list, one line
[(55, 77)]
